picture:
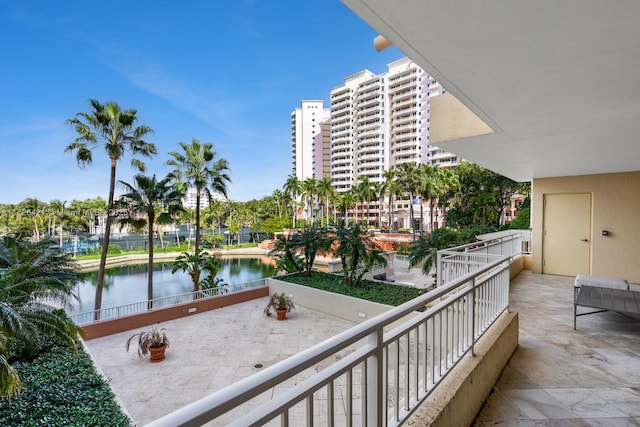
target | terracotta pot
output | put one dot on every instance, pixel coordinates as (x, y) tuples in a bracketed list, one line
[(282, 313), (157, 353)]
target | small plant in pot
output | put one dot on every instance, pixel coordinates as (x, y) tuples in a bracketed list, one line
[(281, 304), (152, 341)]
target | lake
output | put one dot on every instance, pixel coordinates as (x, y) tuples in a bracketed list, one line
[(128, 284)]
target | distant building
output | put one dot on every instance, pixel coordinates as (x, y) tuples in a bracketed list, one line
[(189, 200), (309, 140)]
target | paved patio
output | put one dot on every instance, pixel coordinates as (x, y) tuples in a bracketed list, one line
[(562, 377), (558, 376)]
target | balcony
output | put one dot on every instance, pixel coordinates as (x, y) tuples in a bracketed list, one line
[(547, 380)]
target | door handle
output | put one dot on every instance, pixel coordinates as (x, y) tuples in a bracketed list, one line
[(584, 240)]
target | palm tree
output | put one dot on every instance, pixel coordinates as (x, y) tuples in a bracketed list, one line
[(196, 263), (324, 189), (34, 209), (309, 242), (425, 250), (197, 166), (146, 203), (357, 253), (292, 188), (30, 274), (407, 174), (430, 188), (309, 189), (345, 203), (390, 188), (57, 209), (113, 128), (365, 191)]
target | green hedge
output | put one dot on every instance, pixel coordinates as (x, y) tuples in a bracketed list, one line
[(60, 388), (380, 292)]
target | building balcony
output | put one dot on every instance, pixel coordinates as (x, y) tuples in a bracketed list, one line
[(548, 370)]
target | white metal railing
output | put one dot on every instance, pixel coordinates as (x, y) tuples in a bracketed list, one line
[(88, 317), (460, 260), (375, 376)]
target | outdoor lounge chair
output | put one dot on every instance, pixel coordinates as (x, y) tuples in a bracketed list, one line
[(622, 301)]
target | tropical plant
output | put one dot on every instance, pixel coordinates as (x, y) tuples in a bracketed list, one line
[(152, 338), (285, 249), (293, 264), (195, 264), (324, 190), (32, 276), (309, 242), (279, 302), (357, 252), (146, 203), (408, 179), (197, 166), (425, 249), (292, 188), (366, 191), (390, 188), (113, 128)]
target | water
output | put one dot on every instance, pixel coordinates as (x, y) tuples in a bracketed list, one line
[(128, 284)]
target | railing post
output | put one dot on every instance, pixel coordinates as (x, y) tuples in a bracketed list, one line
[(375, 402), (473, 316), (438, 268)]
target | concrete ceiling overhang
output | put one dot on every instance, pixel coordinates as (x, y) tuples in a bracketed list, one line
[(558, 82)]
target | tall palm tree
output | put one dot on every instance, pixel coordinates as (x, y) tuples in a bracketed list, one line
[(148, 202), (309, 190), (345, 203), (408, 178), (57, 209), (292, 187), (34, 209), (390, 188), (198, 167), (113, 128), (430, 188), (324, 189), (32, 275), (366, 191)]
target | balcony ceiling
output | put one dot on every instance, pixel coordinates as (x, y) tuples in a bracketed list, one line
[(557, 81)]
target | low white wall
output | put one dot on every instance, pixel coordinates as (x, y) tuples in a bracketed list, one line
[(341, 306)]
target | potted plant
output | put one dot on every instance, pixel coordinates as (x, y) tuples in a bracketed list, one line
[(281, 304), (153, 341)]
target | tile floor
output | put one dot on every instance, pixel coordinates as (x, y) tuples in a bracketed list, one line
[(562, 377)]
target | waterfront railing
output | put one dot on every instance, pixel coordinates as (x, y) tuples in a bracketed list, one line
[(88, 317)]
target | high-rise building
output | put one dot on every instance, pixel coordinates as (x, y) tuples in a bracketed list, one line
[(374, 122), (382, 120), (308, 141)]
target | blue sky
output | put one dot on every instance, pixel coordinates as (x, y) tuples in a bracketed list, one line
[(229, 73)]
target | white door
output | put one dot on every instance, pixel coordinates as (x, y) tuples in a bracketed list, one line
[(566, 239)]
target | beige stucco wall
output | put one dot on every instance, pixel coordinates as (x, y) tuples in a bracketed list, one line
[(615, 208)]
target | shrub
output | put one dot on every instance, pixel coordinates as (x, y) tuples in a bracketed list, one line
[(114, 249), (380, 292), (61, 388)]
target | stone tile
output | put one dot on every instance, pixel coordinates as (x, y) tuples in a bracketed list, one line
[(614, 422), (625, 399), (538, 404), (585, 403), (499, 408)]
